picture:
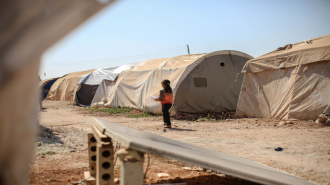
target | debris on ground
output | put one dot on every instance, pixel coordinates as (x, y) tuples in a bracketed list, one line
[(198, 169), (205, 116), (327, 123), (322, 118), (52, 139), (289, 122), (221, 175), (285, 123), (161, 175), (278, 149)]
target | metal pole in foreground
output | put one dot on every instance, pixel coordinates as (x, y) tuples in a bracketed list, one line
[(188, 49)]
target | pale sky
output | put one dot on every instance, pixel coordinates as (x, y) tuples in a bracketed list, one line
[(136, 31)]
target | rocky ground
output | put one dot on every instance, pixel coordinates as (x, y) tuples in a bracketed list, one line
[(60, 140), (61, 148)]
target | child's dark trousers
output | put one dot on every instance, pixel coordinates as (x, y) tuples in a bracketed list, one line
[(166, 113)]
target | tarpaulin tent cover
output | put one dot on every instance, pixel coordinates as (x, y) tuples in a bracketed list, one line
[(45, 85), (88, 84), (198, 82), (63, 89), (102, 92), (291, 82), (44, 82), (105, 73)]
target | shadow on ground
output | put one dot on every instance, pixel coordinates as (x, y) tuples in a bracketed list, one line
[(209, 180), (180, 129)]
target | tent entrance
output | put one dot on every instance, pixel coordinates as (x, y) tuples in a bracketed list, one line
[(45, 89), (86, 94)]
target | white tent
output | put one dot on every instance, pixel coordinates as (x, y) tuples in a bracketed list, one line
[(89, 83), (198, 82), (105, 73)]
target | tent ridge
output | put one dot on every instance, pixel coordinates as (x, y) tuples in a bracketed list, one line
[(306, 56)]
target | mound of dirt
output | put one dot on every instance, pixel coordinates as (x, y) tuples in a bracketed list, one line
[(54, 139)]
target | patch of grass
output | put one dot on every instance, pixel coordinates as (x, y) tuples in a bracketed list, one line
[(48, 153), (114, 110), (52, 179), (122, 110), (145, 114)]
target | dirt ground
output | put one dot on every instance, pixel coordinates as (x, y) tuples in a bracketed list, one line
[(61, 148)]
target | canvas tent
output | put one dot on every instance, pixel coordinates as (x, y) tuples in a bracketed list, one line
[(63, 89), (289, 83), (198, 82), (88, 84), (45, 85)]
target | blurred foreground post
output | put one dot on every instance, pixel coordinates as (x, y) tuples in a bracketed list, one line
[(27, 29), (131, 170)]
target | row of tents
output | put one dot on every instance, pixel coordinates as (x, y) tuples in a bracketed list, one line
[(292, 82)]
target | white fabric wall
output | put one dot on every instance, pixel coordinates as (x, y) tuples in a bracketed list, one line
[(102, 91), (105, 73)]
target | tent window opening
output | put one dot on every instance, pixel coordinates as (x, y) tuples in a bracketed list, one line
[(200, 82)]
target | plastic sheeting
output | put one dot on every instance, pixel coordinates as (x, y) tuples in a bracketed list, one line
[(102, 91), (88, 84), (45, 82), (64, 88), (297, 89), (135, 86), (106, 73)]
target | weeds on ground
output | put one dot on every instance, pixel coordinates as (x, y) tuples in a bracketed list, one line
[(52, 179), (145, 114), (114, 110), (209, 119), (117, 169), (48, 153), (122, 110)]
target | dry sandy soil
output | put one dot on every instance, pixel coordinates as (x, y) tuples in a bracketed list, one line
[(61, 149)]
